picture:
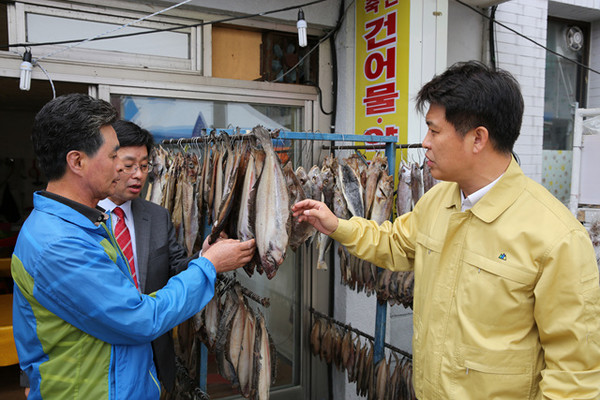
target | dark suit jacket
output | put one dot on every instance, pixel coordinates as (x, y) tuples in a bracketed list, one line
[(159, 257)]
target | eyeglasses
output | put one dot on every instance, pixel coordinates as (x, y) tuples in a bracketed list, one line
[(133, 168)]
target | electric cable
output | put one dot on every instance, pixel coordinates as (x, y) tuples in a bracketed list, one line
[(492, 38), (47, 76), (174, 28), (529, 39)]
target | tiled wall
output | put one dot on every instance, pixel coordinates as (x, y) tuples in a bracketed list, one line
[(526, 62)]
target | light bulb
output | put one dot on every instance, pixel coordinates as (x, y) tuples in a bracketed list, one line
[(26, 67), (301, 25)]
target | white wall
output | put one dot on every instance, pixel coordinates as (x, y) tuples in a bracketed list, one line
[(466, 30), (593, 78), (527, 62)]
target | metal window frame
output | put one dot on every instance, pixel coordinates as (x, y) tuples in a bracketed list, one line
[(17, 33)]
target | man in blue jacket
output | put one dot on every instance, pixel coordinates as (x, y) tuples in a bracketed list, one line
[(157, 254), (81, 327)]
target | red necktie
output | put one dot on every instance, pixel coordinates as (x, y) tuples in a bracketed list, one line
[(124, 240)]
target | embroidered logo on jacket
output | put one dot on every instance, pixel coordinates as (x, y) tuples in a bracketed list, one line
[(502, 256)]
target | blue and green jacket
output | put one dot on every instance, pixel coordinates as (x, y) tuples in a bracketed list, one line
[(82, 329)]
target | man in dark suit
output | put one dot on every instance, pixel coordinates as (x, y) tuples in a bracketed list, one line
[(156, 254)]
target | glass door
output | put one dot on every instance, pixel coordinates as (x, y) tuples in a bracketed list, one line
[(173, 118)]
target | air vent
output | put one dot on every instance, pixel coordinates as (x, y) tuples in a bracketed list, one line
[(280, 53), (574, 38)]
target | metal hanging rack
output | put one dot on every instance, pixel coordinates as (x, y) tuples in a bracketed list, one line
[(387, 143), (263, 301), (358, 332)]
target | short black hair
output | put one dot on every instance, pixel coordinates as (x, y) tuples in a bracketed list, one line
[(66, 123), (130, 134), (473, 95)]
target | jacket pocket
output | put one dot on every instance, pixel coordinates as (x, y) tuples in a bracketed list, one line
[(485, 374), (495, 293)]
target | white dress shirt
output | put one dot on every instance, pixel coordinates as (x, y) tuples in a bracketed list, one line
[(108, 205), (469, 201)]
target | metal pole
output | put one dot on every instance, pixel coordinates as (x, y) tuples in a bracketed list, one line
[(203, 350), (381, 311)]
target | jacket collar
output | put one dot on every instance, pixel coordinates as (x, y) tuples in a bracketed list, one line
[(501, 196), (68, 209)]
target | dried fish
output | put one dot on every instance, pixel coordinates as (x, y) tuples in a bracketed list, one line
[(245, 368), (262, 360), (350, 184), (376, 169), (158, 175), (404, 192), (382, 377), (323, 244), (189, 202), (428, 180), (314, 174), (229, 194), (315, 336), (177, 211), (300, 231), (415, 182), (227, 314), (328, 174), (273, 215), (383, 199)]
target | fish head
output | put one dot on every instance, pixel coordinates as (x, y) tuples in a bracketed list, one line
[(301, 175), (327, 178), (385, 187), (315, 176), (405, 173)]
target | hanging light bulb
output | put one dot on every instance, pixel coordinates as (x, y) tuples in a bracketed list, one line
[(301, 25), (26, 67)]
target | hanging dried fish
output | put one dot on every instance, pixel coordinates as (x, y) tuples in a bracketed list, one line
[(158, 175), (428, 180), (228, 311), (229, 194), (300, 231), (377, 168), (263, 374), (404, 191), (328, 174), (314, 174), (177, 205), (207, 180), (246, 361), (415, 182), (382, 377), (273, 215), (383, 199), (352, 189), (189, 202), (245, 224)]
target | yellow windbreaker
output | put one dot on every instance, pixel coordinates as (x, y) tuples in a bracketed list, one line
[(506, 296)]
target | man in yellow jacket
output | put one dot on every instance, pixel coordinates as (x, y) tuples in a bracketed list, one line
[(507, 296)]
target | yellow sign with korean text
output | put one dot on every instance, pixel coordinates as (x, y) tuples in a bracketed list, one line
[(382, 56)]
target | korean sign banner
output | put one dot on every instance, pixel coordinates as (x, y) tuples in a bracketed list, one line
[(382, 48)]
